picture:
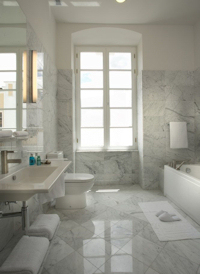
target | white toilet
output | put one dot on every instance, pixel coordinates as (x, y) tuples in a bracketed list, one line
[(76, 186)]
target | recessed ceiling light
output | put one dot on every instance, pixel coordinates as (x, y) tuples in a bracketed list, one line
[(54, 4), (120, 1), (10, 3), (85, 4)]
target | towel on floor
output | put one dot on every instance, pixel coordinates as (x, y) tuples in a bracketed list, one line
[(27, 256), (20, 133), (45, 225), (178, 135), (5, 133)]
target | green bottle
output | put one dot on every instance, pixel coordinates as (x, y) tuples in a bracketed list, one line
[(38, 161)]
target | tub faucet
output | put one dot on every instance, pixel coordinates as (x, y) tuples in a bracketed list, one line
[(178, 168), (5, 161)]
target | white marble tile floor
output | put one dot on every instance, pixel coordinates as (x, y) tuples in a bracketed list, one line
[(111, 238)]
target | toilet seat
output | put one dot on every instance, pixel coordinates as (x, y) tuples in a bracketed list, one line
[(78, 178)]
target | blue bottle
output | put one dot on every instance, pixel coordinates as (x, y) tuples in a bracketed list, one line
[(31, 160)]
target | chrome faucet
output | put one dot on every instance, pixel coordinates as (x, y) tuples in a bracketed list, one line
[(178, 168), (5, 161)]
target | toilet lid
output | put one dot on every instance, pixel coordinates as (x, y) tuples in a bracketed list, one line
[(78, 177)]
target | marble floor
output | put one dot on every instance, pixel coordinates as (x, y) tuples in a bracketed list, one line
[(112, 235)]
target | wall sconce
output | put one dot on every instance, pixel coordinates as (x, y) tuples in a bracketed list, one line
[(24, 58), (33, 76)]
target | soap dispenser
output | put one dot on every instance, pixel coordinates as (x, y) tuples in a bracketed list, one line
[(38, 160), (31, 160)]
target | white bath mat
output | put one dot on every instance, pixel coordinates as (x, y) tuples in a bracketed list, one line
[(168, 231)]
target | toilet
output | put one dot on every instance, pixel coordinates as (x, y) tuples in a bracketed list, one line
[(76, 187)]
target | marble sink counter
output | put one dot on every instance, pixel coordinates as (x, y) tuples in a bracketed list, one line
[(30, 180)]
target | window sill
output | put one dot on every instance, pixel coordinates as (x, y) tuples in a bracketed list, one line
[(108, 150)]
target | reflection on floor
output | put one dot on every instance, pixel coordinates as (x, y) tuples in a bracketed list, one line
[(112, 235)]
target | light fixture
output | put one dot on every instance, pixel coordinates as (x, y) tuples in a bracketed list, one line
[(33, 84), (85, 4), (24, 76), (120, 1)]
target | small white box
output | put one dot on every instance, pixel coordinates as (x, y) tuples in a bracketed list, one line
[(55, 155)]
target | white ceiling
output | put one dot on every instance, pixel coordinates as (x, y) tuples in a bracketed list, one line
[(130, 12)]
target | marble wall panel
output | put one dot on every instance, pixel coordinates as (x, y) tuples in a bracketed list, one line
[(167, 96), (65, 115), (109, 167)]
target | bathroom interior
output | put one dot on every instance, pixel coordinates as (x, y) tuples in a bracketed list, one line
[(100, 137)]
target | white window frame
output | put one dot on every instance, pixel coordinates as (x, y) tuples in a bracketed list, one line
[(19, 104), (106, 106)]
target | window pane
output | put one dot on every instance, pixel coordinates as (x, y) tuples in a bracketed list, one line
[(7, 99), (91, 98), (91, 60), (92, 137), (120, 117), (120, 60), (40, 79), (7, 80), (121, 137), (120, 79), (40, 60), (92, 118), (7, 61), (120, 98), (8, 118), (91, 79)]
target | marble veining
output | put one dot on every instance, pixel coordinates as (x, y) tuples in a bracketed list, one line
[(103, 239)]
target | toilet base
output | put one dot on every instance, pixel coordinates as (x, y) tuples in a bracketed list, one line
[(71, 201)]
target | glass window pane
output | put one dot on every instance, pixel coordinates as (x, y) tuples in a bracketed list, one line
[(120, 117), (91, 60), (92, 118), (8, 99), (40, 60), (7, 61), (91, 79), (40, 79), (121, 137), (120, 79), (120, 98), (91, 98), (120, 60), (8, 118), (7, 80), (92, 137)]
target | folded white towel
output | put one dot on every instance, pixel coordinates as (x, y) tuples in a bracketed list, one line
[(45, 225), (27, 256), (20, 133), (178, 135), (5, 133)]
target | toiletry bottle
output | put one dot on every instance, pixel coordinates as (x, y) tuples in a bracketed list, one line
[(38, 160), (31, 160)]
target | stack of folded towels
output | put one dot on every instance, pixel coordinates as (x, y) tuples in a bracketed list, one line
[(5, 134), (164, 216), (20, 134)]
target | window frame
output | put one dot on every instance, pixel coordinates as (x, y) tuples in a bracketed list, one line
[(106, 105), (19, 102)]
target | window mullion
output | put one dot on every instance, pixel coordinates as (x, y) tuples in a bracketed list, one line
[(106, 104)]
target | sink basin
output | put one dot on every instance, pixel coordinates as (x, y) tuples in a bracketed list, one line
[(28, 181)]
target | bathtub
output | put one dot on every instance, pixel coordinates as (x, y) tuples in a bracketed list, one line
[(183, 188)]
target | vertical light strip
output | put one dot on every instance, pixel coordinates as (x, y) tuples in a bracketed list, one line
[(24, 77), (33, 76)]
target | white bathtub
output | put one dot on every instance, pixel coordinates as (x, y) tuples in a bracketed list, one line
[(183, 188)]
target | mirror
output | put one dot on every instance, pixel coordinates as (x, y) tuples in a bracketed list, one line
[(14, 113)]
